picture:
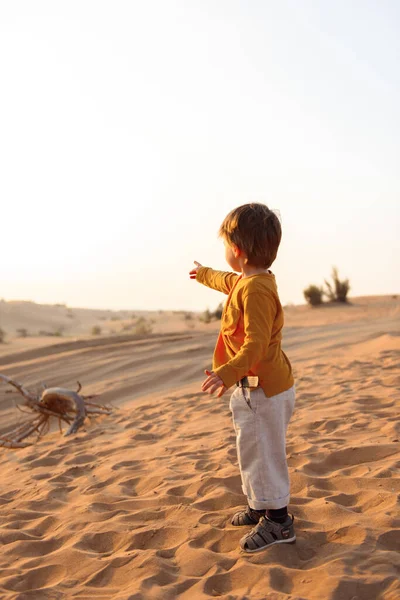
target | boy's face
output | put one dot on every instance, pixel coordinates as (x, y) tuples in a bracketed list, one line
[(232, 254)]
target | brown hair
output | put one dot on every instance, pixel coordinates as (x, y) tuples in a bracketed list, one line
[(256, 230)]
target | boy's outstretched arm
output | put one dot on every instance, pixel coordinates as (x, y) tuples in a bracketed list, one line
[(222, 281)]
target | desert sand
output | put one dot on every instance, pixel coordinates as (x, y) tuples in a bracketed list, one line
[(138, 505)]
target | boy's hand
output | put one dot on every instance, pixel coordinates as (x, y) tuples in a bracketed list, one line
[(212, 383), (193, 272)]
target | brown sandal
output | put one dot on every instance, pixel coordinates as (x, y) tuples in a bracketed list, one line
[(267, 533)]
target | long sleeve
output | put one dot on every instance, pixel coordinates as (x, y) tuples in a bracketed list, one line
[(222, 281), (259, 313)]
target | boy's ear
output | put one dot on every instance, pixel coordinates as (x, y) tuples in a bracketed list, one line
[(236, 251)]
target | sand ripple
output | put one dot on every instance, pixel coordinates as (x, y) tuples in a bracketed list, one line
[(139, 507)]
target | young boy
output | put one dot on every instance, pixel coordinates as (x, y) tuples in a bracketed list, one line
[(248, 354)]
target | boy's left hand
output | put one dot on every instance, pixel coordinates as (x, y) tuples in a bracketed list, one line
[(212, 383)]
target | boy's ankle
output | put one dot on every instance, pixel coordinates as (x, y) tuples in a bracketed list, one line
[(278, 515)]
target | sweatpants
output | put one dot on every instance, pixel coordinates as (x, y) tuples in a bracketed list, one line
[(260, 424)]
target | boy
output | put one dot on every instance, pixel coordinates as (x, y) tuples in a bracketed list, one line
[(248, 353)]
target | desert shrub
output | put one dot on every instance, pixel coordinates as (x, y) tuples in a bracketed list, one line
[(209, 316), (57, 333), (96, 330), (217, 314), (206, 317), (189, 322), (70, 315), (22, 333), (2, 336), (338, 292), (142, 327), (115, 318), (313, 295)]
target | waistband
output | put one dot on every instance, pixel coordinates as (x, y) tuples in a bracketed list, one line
[(248, 382)]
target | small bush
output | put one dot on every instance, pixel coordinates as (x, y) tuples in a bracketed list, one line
[(209, 316), (338, 292), (57, 333), (142, 327), (96, 330), (189, 322), (2, 336), (217, 314), (313, 295), (22, 333), (206, 317)]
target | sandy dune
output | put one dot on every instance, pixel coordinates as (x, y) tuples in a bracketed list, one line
[(139, 506), (44, 324)]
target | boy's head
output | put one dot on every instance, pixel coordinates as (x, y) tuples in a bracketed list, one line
[(255, 230)]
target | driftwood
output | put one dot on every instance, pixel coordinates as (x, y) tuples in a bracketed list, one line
[(62, 404)]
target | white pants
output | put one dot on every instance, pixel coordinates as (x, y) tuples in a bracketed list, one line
[(260, 424)]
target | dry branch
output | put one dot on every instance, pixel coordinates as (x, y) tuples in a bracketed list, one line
[(60, 403)]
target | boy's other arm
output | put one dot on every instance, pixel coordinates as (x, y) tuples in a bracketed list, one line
[(222, 281), (259, 314)]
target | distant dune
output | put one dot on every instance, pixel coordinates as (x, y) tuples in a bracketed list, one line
[(28, 325), (137, 505)]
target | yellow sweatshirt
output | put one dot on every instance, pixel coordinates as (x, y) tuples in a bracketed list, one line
[(249, 342)]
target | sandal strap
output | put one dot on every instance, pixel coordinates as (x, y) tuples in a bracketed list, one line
[(248, 516)]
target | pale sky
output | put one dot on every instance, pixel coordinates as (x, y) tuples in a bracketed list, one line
[(128, 129)]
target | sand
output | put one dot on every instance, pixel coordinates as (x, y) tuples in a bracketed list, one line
[(28, 324), (138, 505)]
